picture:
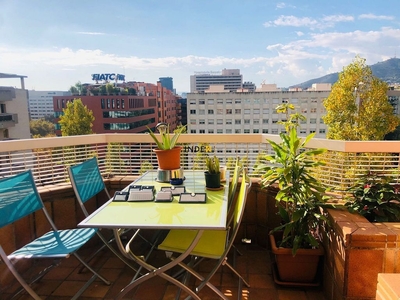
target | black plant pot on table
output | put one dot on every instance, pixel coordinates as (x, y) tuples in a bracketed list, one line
[(213, 180)]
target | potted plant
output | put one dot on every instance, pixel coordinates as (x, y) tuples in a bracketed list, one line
[(212, 174), (375, 197), (168, 154), (299, 201)]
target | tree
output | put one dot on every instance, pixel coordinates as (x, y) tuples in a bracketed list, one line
[(77, 119), (76, 89), (358, 107), (41, 128)]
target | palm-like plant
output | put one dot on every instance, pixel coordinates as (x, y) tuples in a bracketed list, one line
[(212, 164), (166, 140), (300, 194)]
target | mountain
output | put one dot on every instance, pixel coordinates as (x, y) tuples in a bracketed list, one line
[(388, 70)]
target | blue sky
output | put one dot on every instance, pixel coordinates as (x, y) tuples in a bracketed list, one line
[(57, 43)]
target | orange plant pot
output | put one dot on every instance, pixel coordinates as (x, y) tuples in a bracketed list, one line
[(301, 268), (169, 159)]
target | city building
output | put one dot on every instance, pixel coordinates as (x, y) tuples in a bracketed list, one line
[(167, 82), (254, 112), (121, 112), (40, 103), (231, 79), (14, 116)]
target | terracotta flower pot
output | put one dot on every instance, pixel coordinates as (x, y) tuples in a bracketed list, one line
[(301, 268), (169, 159)]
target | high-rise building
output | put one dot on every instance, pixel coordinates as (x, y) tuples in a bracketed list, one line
[(167, 82), (245, 112), (41, 103), (231, 79), (14, 116)]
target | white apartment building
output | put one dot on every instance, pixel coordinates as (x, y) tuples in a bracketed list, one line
[(254, 112), (41, 103), (231, 79), (14, 117)]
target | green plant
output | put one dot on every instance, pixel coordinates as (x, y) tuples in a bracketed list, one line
[(300, 195), (374, 197), (166, 141), (212, 164)]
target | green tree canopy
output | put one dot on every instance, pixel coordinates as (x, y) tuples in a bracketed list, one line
[(41, 128), (358, 107), (77, 119)]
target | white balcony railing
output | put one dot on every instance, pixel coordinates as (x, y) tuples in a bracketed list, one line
[(131, 154)]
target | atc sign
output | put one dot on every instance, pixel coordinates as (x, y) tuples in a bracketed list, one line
[(108, 76)]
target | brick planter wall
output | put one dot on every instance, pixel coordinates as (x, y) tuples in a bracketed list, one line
[(355, 252)]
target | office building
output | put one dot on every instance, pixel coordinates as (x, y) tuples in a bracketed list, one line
[(14, 116), (40, 103), (167, 82), (231, 79), (123, 113), (254, 112)]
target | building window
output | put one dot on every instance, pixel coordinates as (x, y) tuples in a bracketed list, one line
[(266, 111), (246, 121), (229, 131), (220, 101), (228, 122), (256, 121), (192, 111), (238, 111), (313, 110), (210, 111), (247, 111), (220, 121), (322, 131), (193, 102), (238, 131), (220, 131), (192, 121), (265, 131), (265, 121), (193, 131), (202, 112), (229, 111), (202, 101), (238, 121), (256, 131), (202, 131), (246, 131), (210, 102), (210, 122), (256, 111), (313, 121), (202, 121)]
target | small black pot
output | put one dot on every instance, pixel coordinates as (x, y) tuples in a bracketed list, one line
[(212, 180)]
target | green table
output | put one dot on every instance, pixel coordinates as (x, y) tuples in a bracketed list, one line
[(164, 215)]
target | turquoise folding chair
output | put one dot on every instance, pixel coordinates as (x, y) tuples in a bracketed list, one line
[(87, 182), (213, 244), (19, 198)]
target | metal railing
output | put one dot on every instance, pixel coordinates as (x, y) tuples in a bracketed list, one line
[(131, 154)]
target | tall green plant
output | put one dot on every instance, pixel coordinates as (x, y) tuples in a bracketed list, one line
[(300, 194), (212, 164)]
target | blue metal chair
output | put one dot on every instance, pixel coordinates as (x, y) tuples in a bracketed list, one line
[(19, 198), (87, 182)]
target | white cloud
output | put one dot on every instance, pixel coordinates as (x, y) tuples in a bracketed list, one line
[(327, 21), (90, 33), (375, 17), (281, 5), (299, 33)]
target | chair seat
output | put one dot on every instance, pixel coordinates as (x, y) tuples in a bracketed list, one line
[(56, 244), (211, 244)]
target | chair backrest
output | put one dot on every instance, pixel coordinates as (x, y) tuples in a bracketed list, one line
[(240, 204), (234, 182), (86, 181), (19, 198)]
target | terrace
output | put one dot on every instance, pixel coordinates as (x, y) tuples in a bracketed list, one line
[(121, 157)]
